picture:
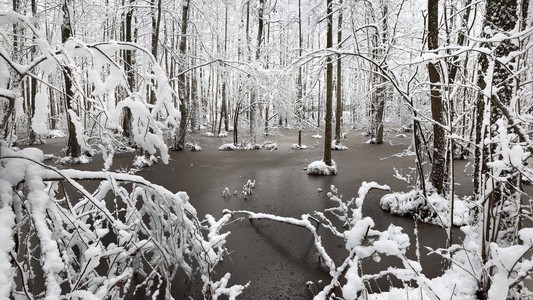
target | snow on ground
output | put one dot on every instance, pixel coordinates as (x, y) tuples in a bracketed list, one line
[(316, 136), (319, 167)]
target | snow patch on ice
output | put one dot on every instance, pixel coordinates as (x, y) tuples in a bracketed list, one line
[(319, 167), (434, 210), (338, 146), (298, 147)]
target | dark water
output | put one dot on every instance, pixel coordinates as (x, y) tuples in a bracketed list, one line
[(278, 259)]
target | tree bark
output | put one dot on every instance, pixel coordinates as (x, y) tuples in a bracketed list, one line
[(339, 109), (182, 78), (73, 147), (128, 69), (437, 107), (329, 86)]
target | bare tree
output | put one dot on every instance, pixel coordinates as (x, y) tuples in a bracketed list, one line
[(128, 66), (73, 146), (437, 107), (329, 86), (493, 113), (182, 78), (339, 108)]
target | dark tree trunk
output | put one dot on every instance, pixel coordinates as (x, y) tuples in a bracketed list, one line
[(338, 112), (156, 24), (329, 86), (182, 78), (437, 107), (500, 17), (128, 69), (73, 147)]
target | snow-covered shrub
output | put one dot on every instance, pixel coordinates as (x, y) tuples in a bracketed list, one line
[(54, 134), (298, 147), (119, 239), (337, 145), (270, 146), (316, 136), (223, 134), (228, 147), (362, 242), (194, 147), (246, 146), (209, 134), (250, 146), (226, 192), (141, 161), (247, 188), (433, 210), (319, 167)]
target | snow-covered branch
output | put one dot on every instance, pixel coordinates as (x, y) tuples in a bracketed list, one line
[(137, 233)]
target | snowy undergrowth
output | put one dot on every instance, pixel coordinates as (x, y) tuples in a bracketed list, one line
[(298, 147), (319, 167), (338, 146), (362, 241), (460, 281), (116, 240), (433, 210), (245, 146)]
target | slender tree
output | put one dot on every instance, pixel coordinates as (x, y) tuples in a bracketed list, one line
[(182, 78), (493, 107), (437, 107), (73, 146), (329, 86), (128, 66), (339, 108), (299, 83)]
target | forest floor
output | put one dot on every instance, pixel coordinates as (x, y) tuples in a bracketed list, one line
[(279, 259)]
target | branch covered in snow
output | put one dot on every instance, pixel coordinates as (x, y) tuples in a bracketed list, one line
[(125, 236)]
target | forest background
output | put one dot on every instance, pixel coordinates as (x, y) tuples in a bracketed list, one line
[(117, 74)]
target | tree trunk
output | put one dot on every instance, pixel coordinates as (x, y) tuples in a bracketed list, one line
[(500, 17), (73, 147), (437, 107), (329, 86), (182, 78), (128, 69), (299, 84), (156, 24), (338, 112), (381, 88)]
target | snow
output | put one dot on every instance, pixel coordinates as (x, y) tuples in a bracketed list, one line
[(270, 146), (55, 134), (246, 146), (435, 209), (338, 146), (316, 136), (298, 147), (319, 167), (182, 244), (4, 76)]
